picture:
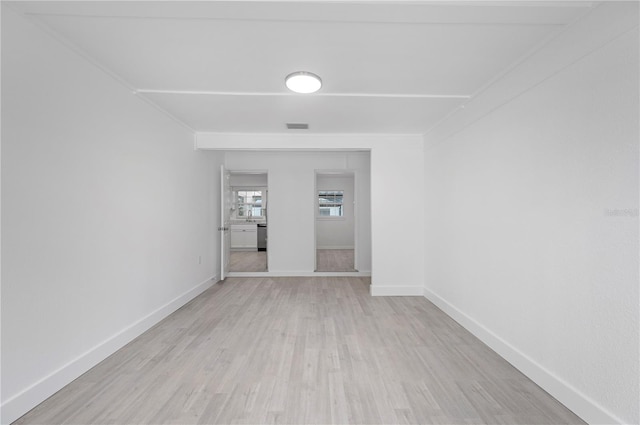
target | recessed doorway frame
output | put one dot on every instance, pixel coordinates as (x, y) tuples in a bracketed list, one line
[(340, 172), (253, 172)]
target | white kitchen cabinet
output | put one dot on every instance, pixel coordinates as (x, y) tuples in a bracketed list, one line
[(244, 237)]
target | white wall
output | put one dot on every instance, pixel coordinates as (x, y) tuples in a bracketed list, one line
[(291, 177), (337, 232), (248, 180), (397, 166), (532, 216), (106, 209)]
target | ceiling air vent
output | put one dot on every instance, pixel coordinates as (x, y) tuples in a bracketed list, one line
[(297, 126)]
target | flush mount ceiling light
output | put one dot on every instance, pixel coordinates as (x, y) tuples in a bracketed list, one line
[(303, 82)]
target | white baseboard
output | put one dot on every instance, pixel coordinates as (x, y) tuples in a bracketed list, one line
[(565, 393), (396, 291), (336, 247), (19, 404)]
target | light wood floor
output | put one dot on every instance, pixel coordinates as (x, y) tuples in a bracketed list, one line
[(248, 261), (335, 260), (303, 350)]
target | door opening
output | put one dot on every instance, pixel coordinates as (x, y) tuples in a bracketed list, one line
[(335, 221), (248, 223)]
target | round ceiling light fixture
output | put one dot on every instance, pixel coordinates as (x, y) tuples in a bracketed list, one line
[(303, 82)]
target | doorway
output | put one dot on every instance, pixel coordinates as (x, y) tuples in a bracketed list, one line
[(248, 222), (335, 221)]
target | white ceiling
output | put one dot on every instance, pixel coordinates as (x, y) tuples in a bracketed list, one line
[(387, 67)]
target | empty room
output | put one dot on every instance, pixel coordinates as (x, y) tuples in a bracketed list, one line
[(320, 212)]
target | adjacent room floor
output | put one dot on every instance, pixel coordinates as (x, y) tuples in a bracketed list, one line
[(248, 261), (303, 350), (335, 260)]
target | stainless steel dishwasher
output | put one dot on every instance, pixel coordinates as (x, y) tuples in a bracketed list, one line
[(262, 237)]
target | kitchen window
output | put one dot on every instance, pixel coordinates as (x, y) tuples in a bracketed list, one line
[(330, 203), (249, 204)]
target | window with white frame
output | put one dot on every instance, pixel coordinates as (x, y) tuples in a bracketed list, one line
[(249, 204), (330, 203)]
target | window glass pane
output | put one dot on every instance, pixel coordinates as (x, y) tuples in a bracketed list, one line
[(249, 203), (330, 203)]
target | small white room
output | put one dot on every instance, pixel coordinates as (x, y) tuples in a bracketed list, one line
[(445, 231)]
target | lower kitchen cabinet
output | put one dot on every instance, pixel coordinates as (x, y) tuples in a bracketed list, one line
[(244, 237)]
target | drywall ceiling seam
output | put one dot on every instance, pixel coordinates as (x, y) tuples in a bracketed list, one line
[(322, 94)]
